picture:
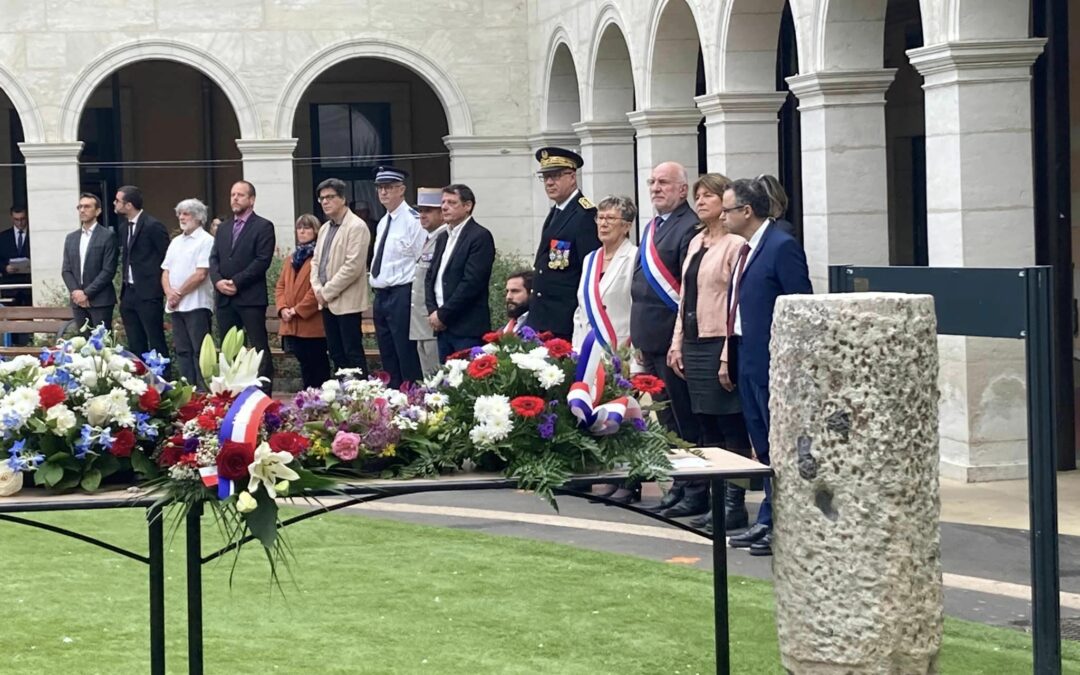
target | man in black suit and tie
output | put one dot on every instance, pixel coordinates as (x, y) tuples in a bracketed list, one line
[(243, 249), (15, 245), (143, 244), (569, 233), (89, 267), (456, 290)]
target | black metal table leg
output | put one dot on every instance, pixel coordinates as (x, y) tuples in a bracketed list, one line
[(194, 589), (719, 567), (156, 563)]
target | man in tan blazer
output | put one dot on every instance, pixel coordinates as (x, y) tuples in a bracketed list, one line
[(339, 276)]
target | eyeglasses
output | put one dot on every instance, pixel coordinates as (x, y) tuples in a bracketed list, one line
[(609, 219), (328, 198), (553, 176), (387, 187), (734, 208)]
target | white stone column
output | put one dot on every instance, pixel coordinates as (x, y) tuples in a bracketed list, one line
[(741, 132), (980, 214), (268, 165), (501, 171), (845, 192), (663, 135), (52, 193), (608, 151)]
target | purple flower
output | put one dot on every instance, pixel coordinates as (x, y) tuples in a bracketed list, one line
[(476, 352), (191, 444), (616, 363), (623, 383), (527, 334), (272, 421), (639, 424), (547, 427)]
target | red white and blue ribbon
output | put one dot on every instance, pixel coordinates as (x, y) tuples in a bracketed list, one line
[(592, 303), (241, 425), (585, 393), (509, 328), (663, 282)]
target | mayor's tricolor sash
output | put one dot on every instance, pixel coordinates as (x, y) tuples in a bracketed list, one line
[(663, 282), (592, 304), (585, 393), (241, 425)]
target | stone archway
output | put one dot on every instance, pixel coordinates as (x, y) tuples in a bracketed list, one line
[(562, 98), (671, 57)]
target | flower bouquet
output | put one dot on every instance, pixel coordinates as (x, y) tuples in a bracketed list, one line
[(82, 411), (542, 413)]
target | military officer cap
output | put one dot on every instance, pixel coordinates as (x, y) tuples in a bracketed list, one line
[(428, 198), (558, 159), (390, 174)]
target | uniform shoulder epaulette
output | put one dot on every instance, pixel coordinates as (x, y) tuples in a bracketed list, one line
[(414, 212), (585, 203)]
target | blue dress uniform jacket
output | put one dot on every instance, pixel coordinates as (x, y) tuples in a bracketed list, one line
[(568, 235)]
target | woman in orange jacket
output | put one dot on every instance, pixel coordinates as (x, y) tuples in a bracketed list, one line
[(301, 330)]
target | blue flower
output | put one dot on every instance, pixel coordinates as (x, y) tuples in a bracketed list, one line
[(546, 429), (144, 427), (476, 352), (272, 421), (86, 439), (97, 337), (106, 439), (155, 362), (639, 424), (12, 420)]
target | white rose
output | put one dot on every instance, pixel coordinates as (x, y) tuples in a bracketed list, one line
[(11, 481), (98, 410), (63, 417)]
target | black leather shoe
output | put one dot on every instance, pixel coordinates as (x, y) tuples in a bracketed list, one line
[(673, 497), (736, 520), (762, 546), (625, 496), (690, 506), (736, 517), (702, 521), (747, 538)]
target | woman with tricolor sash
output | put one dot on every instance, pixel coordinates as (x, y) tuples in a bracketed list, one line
[(701, 329)]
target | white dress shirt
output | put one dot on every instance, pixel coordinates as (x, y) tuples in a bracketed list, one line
[(133, 220), (404, 246), (84, 243), (754, 242), (568, 200), (453, 234), (188, 253)]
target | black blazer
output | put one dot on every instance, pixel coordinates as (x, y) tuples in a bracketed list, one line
[(652, 323), (96, 276), (245, 263), (146, 253), (465, 281), (9, 250), (554, 292)]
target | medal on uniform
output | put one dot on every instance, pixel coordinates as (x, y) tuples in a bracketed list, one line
[(559, 255)]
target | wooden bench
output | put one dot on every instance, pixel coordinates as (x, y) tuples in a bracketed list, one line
[(273, 324), (51, 320)]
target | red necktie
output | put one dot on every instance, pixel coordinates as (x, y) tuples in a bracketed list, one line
[(744, 253)]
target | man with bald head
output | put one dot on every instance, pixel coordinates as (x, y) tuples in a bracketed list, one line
[(655, 292)]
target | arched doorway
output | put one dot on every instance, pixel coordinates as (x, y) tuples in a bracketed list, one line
[(12, 168), (165, 127), (361, 113), (563, 108)]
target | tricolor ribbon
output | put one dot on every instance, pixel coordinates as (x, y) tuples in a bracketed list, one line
[(585, 393), (241, 425), (510, 328), (663, 282), (592, 303)]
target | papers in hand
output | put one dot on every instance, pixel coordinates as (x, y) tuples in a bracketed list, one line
[(20, 265)]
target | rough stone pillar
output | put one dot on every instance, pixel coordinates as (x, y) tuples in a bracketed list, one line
[(854, 440), (740, 132), (845, 189), (608, 151), (663, 135), (52, 193), (979, 214), (502, 173), (268, 165)]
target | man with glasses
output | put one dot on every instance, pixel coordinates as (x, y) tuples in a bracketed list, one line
[(339, 276), (399, 241), (568, 234)]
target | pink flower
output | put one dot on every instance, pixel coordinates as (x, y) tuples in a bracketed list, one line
[(346, 446)]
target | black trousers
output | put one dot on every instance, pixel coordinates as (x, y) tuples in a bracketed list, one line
[(252, 319), (393, 311), (144, 323), (678, 416), (188, 329), (92, 316), (310, 353), (345, 339)]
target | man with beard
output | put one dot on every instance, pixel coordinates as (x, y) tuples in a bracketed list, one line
[(518, 288)]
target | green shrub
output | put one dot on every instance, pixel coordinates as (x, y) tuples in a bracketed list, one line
[(505, 265)]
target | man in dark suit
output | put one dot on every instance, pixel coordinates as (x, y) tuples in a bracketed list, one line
[(243, 249), (456, 290), (143, 243), (568, 234), (89, 267), (770, 264), (15, 245), (655, 304)]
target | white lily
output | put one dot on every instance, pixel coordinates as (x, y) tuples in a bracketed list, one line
[(237, 376), (245, 503), (268, 468)]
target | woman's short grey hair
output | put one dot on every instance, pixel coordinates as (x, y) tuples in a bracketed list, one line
[(194, 208), (624, 205)]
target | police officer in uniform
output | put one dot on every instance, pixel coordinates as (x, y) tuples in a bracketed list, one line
[(569, 234)]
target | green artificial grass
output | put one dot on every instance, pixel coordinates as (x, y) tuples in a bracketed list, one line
[(373, 596)]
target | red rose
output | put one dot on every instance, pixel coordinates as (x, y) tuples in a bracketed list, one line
[(647, 384), (192, 408), (545, 336), (123, 442), (290, 442), (207, 422), (558, 347), (150, 400), (482, 367), (274, 408), (493, 336), (50, 395), (460, 354), (140, 367), (169, 456), (233, 460), (527, 406)]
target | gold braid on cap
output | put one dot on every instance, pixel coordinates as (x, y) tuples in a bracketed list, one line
[(550, 162)]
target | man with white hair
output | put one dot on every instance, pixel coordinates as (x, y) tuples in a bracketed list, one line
[(189, 295)]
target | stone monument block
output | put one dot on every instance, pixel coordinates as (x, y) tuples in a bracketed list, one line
[(854, 444)]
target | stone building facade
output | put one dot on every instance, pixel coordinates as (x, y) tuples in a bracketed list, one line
[(902, 128)]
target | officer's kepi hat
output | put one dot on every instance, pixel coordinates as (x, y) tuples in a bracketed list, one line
[(428, 198), (558, 159), (390, 174)]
